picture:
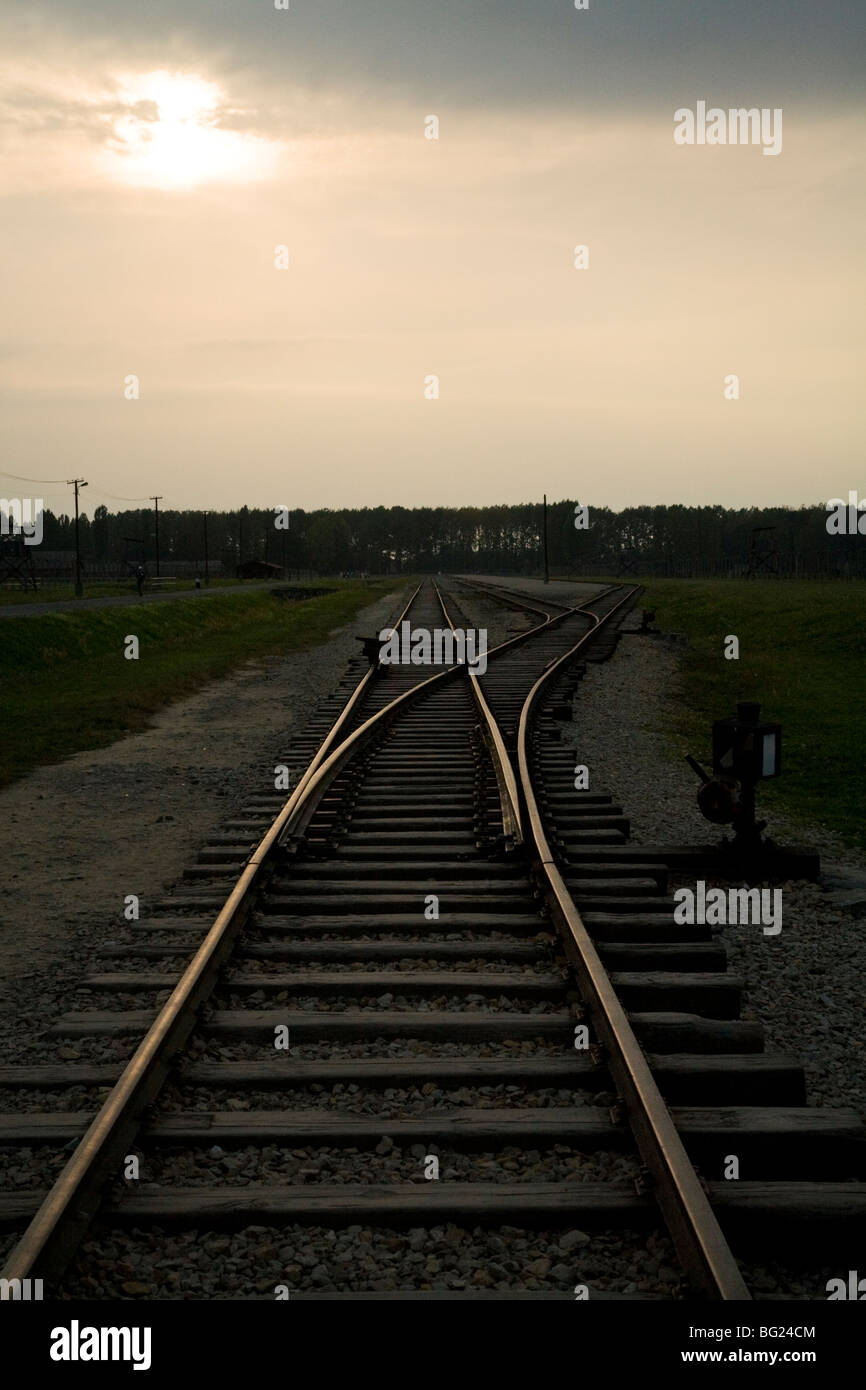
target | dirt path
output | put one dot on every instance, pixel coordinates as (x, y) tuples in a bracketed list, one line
[(78, 836), (83, 605)]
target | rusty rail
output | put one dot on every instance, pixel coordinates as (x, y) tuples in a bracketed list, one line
[(695, 1231)]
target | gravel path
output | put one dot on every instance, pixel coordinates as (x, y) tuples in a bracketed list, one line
[(82, 605), (76, 837)]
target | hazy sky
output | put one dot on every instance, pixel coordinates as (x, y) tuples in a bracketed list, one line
[(153, 156)]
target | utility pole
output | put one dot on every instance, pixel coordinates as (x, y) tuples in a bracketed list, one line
[(156, 501), (546, 569), (206, 573), (79, 587)]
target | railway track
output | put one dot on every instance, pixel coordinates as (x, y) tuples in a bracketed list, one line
[(413, 923)]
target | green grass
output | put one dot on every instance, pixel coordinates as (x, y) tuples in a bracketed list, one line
[(67, 685), (62, 592), (803, 657)]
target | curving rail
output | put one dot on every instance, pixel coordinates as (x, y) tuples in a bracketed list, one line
[(73, 1200), (696, 1233)]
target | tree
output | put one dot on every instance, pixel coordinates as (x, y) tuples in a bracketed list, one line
[(328, 543)]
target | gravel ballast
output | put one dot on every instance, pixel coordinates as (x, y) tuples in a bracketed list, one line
[(254, 1262), (806, 996), (806, 984)]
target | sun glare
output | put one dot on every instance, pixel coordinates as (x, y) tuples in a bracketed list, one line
[(169, 136)]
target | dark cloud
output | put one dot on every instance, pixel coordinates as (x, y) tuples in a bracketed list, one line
[(619, 53)]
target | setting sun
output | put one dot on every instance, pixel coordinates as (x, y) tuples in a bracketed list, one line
[(169, 136)]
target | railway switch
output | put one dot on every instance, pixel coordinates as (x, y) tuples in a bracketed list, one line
[(746, 750), (372, 646)]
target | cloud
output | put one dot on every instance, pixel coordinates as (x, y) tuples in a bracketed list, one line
[(158, 128), (618, 55), (410, 256)]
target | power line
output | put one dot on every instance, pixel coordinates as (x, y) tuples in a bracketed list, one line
[(114, 498), (19, 479), (111, 495)]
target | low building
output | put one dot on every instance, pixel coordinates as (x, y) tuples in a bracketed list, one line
[(258, 569)]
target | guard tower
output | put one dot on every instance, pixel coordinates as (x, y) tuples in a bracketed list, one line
[(763, 553), (16, 562)]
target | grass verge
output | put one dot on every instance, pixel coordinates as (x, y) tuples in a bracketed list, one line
[(803, 656), (66, 684), (61, 592)]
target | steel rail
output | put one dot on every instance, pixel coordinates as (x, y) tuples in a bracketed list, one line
[(512, 598), (317, 782), (333, 735), (509, 796), (551, 621), (73, 1200), (695, 1231)]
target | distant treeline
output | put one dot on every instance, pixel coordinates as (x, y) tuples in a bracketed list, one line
[(676, 540)]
